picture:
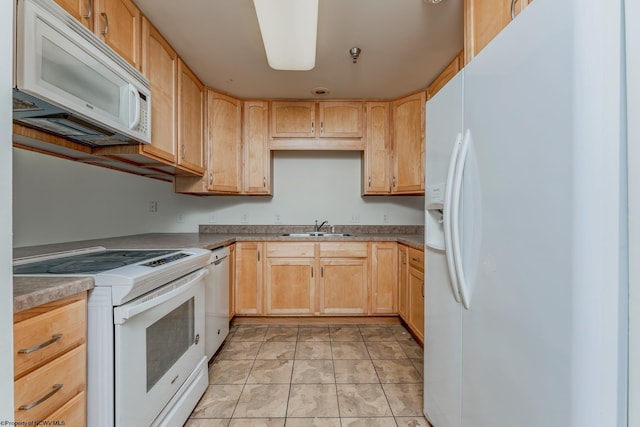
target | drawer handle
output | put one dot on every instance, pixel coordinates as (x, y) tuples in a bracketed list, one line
[(414, 259), (54, 338), (56, 388)]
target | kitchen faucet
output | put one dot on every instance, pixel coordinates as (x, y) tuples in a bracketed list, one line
[(318, 227)]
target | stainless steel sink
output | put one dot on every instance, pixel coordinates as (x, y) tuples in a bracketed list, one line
[(317, 234)]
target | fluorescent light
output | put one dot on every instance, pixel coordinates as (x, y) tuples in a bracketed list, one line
[(289, 29)]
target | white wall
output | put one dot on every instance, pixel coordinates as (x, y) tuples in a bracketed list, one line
[(57, 200), (6, 281)]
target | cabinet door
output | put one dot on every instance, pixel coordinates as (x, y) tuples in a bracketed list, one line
[(293, 119), (190, 120), (384, 275), (416, 302), (82, 10), (117, 23), (484, 19), (408, 144), (447, 74), (248, 292), (224, 142), (290, 286), (160, 66), (340, 119), (403, 282), (232, 281), (257, 158), (343, 287), (377, 151)]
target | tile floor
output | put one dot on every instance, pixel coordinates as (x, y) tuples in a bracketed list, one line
[(314, 375)]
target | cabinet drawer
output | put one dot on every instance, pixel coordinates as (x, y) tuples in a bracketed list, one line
[(343, 250), (72, 413), (416, 259), (290, 250), (43, 337), (46, 389)]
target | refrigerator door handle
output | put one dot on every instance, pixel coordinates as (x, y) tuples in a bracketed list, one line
[(448, 243), (455, 219)]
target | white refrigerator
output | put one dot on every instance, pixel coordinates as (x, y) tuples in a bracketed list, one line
[(526, 227)]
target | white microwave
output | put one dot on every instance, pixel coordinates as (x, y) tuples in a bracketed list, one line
[(70, 83)]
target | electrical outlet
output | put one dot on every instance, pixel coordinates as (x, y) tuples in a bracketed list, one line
[(212, 218), (153, 206), (244, 218), (180, 217), (277, 219), (355, 218), (385, 219)]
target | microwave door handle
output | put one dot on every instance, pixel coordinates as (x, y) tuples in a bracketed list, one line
[(133, 93)]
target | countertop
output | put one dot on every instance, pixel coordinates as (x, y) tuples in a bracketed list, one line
[(32, 291)]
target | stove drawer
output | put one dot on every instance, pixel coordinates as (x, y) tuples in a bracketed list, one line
[(45, 390), (43, 333)]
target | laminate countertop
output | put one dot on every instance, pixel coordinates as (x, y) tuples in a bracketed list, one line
[(29, 291)]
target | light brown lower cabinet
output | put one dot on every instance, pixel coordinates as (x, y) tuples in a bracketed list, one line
[(314, 278), (50, 362), (248, 289), (384, 278), (232, 281), (290, 279), (403, 281), (411, 289), (343, 286)]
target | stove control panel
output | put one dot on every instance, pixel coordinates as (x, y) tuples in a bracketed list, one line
[(165, 260)]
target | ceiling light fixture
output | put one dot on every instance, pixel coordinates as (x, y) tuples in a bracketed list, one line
[(289, 30)]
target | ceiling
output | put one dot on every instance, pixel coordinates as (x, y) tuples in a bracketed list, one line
[(405, 44)]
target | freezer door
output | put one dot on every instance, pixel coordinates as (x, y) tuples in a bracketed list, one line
[(540, 339), (443, 317)]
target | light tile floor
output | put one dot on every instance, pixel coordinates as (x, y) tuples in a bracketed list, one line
[(314, 376)]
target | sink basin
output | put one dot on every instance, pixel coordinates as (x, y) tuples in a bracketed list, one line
[(318, 234)]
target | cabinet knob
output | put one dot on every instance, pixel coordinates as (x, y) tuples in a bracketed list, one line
[(313, 127)]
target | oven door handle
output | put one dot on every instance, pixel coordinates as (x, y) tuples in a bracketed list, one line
[(127, 311)]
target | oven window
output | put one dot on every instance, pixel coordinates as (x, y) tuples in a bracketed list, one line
[(167, 340)]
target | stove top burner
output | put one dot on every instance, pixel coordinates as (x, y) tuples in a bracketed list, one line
[(91, 263)]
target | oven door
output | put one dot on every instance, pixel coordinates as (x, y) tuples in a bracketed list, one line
[(158, 344)]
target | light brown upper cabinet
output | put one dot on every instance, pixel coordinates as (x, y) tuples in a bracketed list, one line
[(340, 119), (190, 120), (239, 161), (447, 74), (293, 119), (376, 164), (408, 122), (224, 143), (256, 155), (309, 125), (160, 66), (484, 19), (117, 23), (82, 10)]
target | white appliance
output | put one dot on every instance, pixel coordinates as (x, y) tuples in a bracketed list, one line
[(525, 253), (145, 337), (217, 301), (70, 83)]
